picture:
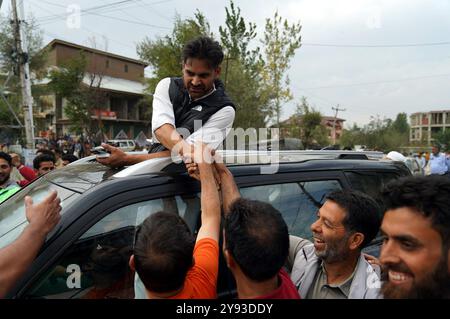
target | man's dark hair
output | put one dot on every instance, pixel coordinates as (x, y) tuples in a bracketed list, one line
[(42, 158), (46, 152), (6, 157), (257, 238), (69, 157), (363, 214), (428, 195), (203, 48), (163, 252)]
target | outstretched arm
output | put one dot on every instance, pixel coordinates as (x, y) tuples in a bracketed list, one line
[(119, 158), (230, 191), (18, 256), (210, 202)]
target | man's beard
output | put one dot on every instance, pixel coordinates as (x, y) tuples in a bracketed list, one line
[(335, 251), (4, 178), (436, 285)]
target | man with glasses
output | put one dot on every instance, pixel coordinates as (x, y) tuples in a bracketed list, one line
[(43, 164)]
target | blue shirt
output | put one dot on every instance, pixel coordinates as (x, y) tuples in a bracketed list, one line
[(438, 164)]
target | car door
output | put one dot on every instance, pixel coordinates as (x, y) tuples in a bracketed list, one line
[(92, 257), (297, 196)]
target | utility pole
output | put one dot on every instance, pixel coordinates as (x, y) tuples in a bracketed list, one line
[(337, 109), (21, 47)]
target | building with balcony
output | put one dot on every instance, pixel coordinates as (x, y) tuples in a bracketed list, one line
[(424, 125), (118, 78)]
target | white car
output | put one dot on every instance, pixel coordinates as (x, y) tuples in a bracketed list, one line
[(124, 145)]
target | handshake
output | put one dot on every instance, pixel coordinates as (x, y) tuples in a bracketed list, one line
[(202, 156)]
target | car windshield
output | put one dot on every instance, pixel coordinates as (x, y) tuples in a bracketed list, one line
[(12, 212)]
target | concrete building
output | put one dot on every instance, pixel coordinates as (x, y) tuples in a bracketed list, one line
[(424, 125), (118, 78)]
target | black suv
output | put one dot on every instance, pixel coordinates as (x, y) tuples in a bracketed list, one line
[(86, 256)]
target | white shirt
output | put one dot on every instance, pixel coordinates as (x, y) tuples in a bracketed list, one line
[(438, 165), (213, 132)]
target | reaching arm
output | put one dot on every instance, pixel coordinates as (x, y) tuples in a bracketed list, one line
[(210, 202), (172, 140), (230, 191), (18, 256), (119, 158), (164, 132)]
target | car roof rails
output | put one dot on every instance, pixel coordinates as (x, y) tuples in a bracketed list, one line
[(245, 157)]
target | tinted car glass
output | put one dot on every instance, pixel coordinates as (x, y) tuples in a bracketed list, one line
[(12, 211), (96, 265), (297, 202), (82, 177), (370, 183)]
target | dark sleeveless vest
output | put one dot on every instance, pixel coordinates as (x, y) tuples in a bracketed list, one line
[(187, 111)]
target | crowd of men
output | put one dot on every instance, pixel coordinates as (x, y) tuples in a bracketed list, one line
[(266, 262), (435, 162), (14, 174)]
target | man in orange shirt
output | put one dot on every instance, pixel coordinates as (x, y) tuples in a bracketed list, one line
[(167, 258)]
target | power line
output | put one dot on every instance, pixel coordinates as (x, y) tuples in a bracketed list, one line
[(109, 7), (378, 82), (377, 45), (89, 11), (85, 29), (54, 17), (131, 16)]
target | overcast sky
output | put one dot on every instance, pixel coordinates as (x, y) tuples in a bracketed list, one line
[(372, 57)]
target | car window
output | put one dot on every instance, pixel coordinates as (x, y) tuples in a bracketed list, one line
[(12, 212), (370, 183), (96, 265), (297, 202)]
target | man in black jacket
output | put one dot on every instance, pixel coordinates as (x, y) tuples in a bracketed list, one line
[(193, 108)]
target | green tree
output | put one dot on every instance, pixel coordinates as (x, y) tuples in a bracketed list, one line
[(8, 53), (281, 40), (9, 60), (381, 134), (306, 125), (66, 82), (241, 72), (82, 99), (401, 123), (443, 139)]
